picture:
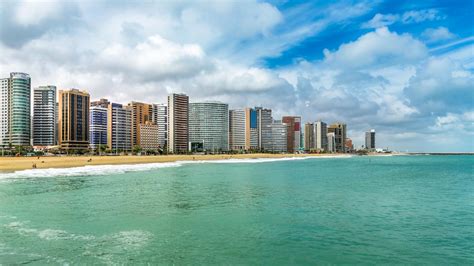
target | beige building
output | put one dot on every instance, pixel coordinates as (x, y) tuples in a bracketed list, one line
[(73, 119), (149, 136), (141, 113), (309, 143)]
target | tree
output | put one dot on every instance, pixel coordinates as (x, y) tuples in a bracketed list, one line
[(137, 149)]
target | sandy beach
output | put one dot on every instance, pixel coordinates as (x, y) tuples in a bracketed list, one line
[(9, 164)]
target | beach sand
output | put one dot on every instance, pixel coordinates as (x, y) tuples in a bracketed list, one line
[(9, 164)]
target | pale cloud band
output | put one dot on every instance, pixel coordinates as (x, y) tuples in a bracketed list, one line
[(382, 79)]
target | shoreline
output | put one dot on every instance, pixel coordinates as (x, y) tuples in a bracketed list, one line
[(12, 164)]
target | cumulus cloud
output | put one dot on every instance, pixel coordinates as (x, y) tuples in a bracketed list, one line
[(382, 79), (441, 84), (378, 48), (432, 35)]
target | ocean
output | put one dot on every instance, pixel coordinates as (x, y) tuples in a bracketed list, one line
[(347, 210)]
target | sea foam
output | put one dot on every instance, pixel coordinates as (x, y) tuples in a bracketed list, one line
[(96, 170)]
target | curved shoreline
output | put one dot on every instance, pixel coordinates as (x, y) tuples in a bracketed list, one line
[(12, 164)]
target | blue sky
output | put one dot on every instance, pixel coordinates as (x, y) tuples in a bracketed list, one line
[(404, 68)]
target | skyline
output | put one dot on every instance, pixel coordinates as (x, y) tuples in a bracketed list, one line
[(405, 70)]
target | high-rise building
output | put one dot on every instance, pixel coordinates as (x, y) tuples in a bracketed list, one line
[(209, 126), (331, 142), (320, 135), (178, 123), (44, 116), (15, 100), (97, 126), (4, 111), (243, 129), (73, 121), (119, 127), (149, 136), (101, 103), (279, 133), (141, 113), (160, 117), (348, 145), (370, 139), (264, 121), (340, 134), (237, 129), (294, 132), (309, 140)]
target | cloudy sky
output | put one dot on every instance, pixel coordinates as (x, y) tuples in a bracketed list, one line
[(403, 68)]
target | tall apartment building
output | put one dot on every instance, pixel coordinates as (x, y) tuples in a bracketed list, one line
[(4, 112), (209, 126), (279, 137), (264, 122), (159, 116), (119, 127), (320, 135), (331, 142), (294, 132), (73, 120), (15, 100), (97, 126), (370, 139), (340, 134), (178, 122), (149, 136), (44, 116), (141, 113), (309, 138), (243, 129)]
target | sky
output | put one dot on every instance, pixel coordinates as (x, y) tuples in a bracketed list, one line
[(403, 68)]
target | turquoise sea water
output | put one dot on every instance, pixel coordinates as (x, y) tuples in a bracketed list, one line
[(377, 210)]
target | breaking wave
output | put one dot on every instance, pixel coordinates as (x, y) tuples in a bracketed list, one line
[(96, 170)]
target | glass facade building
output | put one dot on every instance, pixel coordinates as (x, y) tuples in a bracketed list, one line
[(97, 126), (209, 126)]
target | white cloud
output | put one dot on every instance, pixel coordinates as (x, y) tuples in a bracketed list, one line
[(154, 59), (416, 16), (378, 48), (29, 13), (409, 17), (432, 35), (380, 20)]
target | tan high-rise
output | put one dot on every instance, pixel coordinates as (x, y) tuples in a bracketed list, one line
[(178, 123), (141, 113), (73, 119)]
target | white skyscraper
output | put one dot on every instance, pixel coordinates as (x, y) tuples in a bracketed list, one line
[(209, 126), (160, 117), (320, 133), (4, 112), (44, 116), (331, 142)]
